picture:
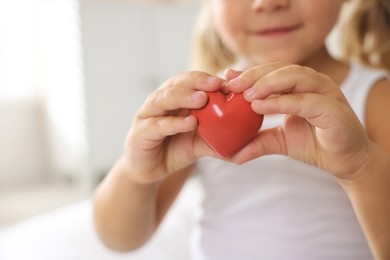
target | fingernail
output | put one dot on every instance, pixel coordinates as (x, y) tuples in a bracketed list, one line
[(212, 80), (189, 118), (249, 92), (235, 82), (197, 96)]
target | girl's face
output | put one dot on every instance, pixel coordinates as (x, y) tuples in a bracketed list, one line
[(265, 31)]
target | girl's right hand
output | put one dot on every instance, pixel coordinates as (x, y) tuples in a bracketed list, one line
[(162, 139)]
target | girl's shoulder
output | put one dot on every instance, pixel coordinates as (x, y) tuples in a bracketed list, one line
[(360, 86), (377, 112), (363, 75)]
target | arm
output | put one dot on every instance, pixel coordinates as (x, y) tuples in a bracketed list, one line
[(370, 191), (132, 211), (159, 152), (369, 194), (321, 129)]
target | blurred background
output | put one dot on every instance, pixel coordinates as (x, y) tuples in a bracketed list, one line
[(72, 75)]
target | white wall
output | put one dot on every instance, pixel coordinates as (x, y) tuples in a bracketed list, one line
[(128, 51), (22, 147), (63, 87), (41, 112)]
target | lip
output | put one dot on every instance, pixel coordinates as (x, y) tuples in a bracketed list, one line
[(276, 31)]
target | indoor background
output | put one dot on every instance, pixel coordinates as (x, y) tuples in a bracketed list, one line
[(72, 75)]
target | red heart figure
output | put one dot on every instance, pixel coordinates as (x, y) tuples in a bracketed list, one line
[(227, 122)]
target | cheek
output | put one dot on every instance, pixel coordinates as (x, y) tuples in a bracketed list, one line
[(227, 21), (323, 16)]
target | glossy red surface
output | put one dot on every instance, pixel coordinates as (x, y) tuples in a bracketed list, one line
[(227, 122)]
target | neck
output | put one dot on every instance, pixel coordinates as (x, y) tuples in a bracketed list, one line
[(322, 62), (326, 64)]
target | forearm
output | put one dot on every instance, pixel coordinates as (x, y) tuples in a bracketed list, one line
[(369, 194), (124, 211)]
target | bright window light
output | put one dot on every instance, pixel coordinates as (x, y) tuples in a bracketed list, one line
[(40, 59), (18, 49)]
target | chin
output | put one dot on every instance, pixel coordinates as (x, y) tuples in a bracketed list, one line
[(276, 57)]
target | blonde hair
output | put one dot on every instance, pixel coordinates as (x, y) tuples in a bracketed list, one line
[(366, 33), (365, 37), (209, 54)]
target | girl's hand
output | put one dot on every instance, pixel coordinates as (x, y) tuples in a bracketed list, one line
[(320, 127), (162, 138)]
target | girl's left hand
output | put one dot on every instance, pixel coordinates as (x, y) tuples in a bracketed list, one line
[(320, 127)]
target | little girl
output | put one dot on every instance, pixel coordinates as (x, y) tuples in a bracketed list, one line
[(313, 184)]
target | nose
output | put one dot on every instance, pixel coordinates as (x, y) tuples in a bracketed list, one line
[(269, 5)]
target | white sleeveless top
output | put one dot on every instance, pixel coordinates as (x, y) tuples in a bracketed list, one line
[(275, 207)]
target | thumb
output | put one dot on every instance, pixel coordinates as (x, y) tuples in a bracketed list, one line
[(269, 141), (231, 74)]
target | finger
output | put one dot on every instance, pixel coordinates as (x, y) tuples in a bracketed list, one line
[(269, 141), (158, 128), (201, 149), (180, 92), (194, 80), (319, 110), (249, 77), (165, 100), (292, 78), (231, 74)]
